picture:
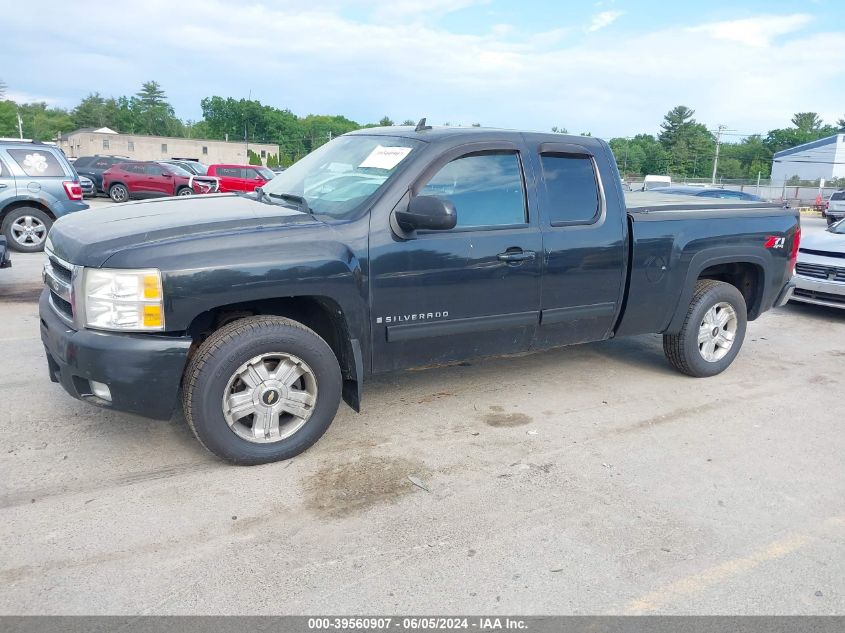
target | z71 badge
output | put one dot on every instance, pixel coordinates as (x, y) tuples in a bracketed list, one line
[(773, 241)]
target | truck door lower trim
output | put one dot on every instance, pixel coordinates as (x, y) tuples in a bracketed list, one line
[(414, 331), (553, 316)]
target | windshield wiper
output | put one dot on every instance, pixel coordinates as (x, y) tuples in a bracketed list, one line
[(301, 203), (261, 195)]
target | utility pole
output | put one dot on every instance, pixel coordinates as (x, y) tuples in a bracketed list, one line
[(625, 163), (719, 131), (20, 126)]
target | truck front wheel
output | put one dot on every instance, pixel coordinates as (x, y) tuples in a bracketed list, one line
[(712, 333), (261, 389)]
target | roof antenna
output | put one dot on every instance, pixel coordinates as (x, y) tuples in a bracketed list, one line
[(421, 126)]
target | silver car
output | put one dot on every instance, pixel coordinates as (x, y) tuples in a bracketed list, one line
[(820, 271)]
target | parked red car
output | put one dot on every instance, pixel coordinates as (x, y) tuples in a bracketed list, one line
[(149, 179), (240, 177)]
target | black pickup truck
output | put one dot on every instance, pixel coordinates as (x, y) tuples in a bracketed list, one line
[(387, 249)]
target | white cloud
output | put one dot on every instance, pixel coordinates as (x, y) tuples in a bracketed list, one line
[(603, 19), (757, 31), (23, 97), (322, 61)]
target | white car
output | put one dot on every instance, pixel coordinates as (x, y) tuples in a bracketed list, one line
[(656, 182), (820, 270)]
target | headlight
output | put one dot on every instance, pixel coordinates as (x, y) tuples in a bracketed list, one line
[(129, 300)]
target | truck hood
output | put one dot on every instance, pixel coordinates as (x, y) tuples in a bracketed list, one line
[(90, 237)]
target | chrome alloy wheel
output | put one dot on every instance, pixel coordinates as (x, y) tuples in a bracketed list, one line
[(717, 332), (270, 397), (28, 230)]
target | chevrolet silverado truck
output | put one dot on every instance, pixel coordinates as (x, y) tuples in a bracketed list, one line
[(387, 249)]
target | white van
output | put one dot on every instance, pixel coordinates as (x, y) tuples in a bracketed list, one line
[(655, 182)]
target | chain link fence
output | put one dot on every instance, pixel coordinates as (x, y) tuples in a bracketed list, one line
[(796, 194)]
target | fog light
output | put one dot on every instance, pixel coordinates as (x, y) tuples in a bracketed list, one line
[(100, 390)]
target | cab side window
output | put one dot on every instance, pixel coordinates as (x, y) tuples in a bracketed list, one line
[(486, 188), (571, 188)]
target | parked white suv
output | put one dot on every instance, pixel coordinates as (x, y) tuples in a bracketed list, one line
[(835, 207)]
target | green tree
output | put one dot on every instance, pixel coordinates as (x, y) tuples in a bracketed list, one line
[(409, 122), (42, 123), (559, 130), (807, 121), (272, 161), (8, 118), (254, 158), (808, 127), (690, 144), (386, 121), (840, 124), (152, 113)]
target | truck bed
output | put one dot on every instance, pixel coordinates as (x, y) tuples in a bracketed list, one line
[(648, 201), (674, 239)]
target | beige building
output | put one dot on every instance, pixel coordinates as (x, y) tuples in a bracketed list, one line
[(91, 141)]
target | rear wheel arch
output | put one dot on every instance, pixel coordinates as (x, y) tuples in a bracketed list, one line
[(16, 204), (321, 314), (745, 272)]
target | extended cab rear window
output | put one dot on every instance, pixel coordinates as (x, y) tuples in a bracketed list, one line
[(839, 195), (37, 163), (571, 188)]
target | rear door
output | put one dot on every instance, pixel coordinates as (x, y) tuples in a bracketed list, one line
[(467, 292), (583, 246), (135, 177), (230, 178)]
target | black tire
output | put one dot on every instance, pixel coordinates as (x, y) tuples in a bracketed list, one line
[(34, 242), (216, 361), (185, 191), (118, 193), (683, 349)]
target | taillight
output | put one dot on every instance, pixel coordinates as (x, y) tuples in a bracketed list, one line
[(793, 256), (73, 189)]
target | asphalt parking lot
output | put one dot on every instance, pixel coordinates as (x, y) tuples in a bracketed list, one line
[(586, 480)]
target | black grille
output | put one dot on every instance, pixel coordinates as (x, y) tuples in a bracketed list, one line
[(820, 271), (61, 272), (61, 306), (819, 296)]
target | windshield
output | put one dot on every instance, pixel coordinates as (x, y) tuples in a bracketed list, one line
[(268, 174), (339, 176)]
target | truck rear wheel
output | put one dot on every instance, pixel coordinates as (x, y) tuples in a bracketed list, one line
[(712, 333), (261, 389)]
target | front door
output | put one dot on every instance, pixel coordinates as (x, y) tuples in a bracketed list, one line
[(472, 291)]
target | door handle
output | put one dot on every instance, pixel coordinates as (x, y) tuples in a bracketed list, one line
[(515, 256)]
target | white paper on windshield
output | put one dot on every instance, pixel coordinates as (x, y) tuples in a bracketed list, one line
[(385, 157)]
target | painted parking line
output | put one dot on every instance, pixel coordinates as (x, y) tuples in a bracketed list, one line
[(695, 583)]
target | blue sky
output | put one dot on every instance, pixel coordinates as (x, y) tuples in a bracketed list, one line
[(609, 67)]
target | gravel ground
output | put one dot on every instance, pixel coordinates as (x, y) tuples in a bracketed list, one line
[(592, 479)]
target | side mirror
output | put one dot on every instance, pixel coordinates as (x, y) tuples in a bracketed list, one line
[(428, 212)]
